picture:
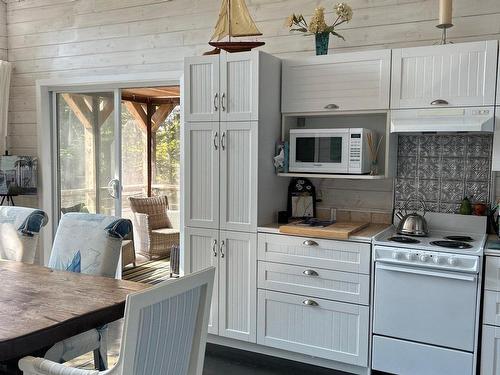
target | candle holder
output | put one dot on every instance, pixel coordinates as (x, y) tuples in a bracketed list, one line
[(444, 27)]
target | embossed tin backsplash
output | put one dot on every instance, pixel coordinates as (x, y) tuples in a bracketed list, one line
[(442, 169)]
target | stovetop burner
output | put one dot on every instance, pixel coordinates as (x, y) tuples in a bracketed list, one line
[(452, 244), (460, 238), (402, 239)]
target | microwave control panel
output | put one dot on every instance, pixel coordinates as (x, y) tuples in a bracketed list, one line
[(355, 149)]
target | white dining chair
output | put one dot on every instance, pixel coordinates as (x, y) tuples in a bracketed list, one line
[(89, 244), (165, 332)]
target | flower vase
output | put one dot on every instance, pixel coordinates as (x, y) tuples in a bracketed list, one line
[(374, 168), (322, 40)]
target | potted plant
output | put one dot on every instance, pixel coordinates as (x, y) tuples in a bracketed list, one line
[(317, 25)]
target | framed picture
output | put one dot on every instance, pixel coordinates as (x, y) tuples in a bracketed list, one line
[(18, 175)]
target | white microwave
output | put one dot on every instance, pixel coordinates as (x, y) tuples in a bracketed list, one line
[(330, 150)]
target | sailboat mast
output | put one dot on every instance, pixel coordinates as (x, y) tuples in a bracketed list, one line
[(229, 18)]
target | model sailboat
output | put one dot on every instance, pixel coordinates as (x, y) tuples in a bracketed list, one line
[(235, 21)]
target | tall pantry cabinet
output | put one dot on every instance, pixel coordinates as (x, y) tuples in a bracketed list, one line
[(231, 124)]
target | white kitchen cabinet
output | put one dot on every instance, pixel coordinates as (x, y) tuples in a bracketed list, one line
[(451, 75), (492, 273), (201, 88), (238, 176), (495, 163), (201, 174), (313, 252), (238, 285), (339, 82), (490, 350), (321, 328), (234, 307), (201, 251)]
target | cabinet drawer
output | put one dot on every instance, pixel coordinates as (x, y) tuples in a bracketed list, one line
[(312, 252), (491, 308), (326, 329), (492, 273), (490, 350), (317, 282)]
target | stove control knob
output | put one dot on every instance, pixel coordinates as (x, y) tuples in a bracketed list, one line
[(453, 261), (438, 260), (424, 258), (397, 255), (411, 257)]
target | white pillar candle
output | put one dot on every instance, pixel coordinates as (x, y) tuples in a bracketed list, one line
[(445, 12)]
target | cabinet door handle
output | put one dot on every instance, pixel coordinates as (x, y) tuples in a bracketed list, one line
[(216, 99), (310, 273), (214, 247), (216, 137), (222, 141), (439, 102), (224, 102), (222, 244), (331, 106), (310, 243), (310, 302)]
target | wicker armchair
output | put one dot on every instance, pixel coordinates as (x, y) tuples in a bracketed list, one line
[(153, 231)]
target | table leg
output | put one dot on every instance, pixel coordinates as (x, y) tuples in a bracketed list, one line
[(3, 199)]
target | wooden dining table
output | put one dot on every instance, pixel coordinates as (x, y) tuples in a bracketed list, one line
[(40, 307)]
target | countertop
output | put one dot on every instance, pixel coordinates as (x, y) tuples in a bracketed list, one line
[(493, 245), (364, 235)]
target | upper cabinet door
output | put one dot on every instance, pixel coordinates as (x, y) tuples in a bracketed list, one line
[(201, 174), (453, 75), (238, 176), (339, 82), (201, 88), (239, 86)]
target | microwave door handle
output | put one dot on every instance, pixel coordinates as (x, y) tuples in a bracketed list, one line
[(432, 273)]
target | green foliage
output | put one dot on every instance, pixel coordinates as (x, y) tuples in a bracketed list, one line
[(168, 147)]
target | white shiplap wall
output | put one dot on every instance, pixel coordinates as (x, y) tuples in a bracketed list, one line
[(57, 38), (3, 31)]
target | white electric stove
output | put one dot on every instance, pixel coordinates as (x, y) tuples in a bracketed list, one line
[(426, 297)]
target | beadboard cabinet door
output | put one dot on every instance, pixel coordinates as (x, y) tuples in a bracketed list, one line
[(238, 176), (312, 326), (453, 75), (490, 350), (239, 92), (238, 285), (338, 82), (201, 88), (201, 168), (201, 247)]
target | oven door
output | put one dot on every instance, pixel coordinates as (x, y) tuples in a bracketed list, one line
[(425, 305), (319, 151)]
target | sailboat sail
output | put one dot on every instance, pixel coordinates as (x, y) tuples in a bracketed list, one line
[(234, 20)]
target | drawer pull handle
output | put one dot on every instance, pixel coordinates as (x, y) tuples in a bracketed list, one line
[(310, 243), (310, 273), (439, 102), (331, 106), (310, 302)]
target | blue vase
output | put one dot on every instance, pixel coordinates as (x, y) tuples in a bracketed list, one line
[(322, 40)]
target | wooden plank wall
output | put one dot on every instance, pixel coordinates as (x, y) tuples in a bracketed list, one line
[(49, 38), (3, 30)]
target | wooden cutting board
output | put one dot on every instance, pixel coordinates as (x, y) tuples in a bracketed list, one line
[(336, 231)]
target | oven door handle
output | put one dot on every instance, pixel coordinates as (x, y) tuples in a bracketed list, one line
[(419, 271)]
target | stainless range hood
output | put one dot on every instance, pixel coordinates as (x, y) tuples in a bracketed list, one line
[(472, 119)]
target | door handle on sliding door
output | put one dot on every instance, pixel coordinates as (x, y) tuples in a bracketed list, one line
[(114, 188)]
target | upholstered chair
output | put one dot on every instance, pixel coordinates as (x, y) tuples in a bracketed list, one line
[(19, 232), (154, 234), (90, 244), (148, 345)]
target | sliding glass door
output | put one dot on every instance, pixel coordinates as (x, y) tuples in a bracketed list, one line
[(88, 152)]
